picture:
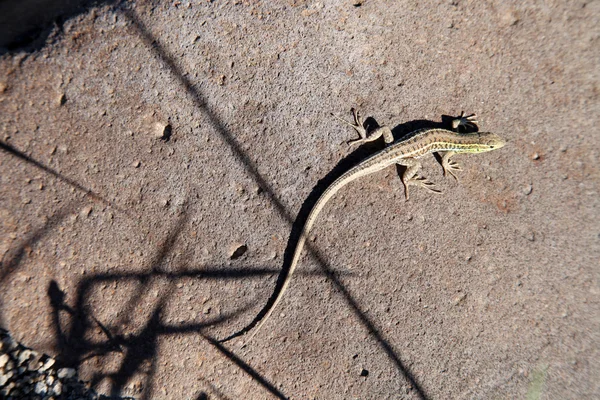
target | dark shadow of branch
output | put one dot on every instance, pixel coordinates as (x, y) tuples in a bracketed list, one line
[(88, 192), (244, 366), (139, 350), (250, 166)]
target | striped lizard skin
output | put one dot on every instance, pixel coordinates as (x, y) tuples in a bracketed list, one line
[(406, 151)]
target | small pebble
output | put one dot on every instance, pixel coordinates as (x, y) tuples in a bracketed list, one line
[(61, 99), (66, 373), (236, 251), (4, 378), (86, 211), (535, 156), (531, 236), (163, 131), (459, 299), (364, 372), (57, 389), (24, 356)]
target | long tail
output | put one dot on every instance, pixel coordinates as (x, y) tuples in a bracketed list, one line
[(342, 181)]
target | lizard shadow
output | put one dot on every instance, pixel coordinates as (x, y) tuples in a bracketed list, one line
[(338, 170)]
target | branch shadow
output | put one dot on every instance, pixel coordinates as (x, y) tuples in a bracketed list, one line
[(88, 192), (138, 351), (343, 166), (198, 98), (141, 349)]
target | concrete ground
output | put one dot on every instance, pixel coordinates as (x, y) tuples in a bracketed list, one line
[(155, 156)]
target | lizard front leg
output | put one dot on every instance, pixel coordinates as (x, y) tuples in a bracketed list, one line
[(410, 177), (463, 121), (367, 136), (449, 165)]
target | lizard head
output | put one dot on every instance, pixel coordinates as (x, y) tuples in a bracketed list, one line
[(488, 141)]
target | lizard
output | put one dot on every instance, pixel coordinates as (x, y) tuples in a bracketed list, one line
[(406, 151)]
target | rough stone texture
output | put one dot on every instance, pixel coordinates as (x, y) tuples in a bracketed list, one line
[(38, 381), (117, 233)]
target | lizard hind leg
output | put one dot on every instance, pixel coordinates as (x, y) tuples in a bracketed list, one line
[(410, 177), (366, 136), (357, 124)]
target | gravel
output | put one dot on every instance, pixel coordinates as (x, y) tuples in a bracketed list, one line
[(27, 374)]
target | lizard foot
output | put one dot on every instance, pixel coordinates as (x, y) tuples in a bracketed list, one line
[(464, 121), (357, 125), (449, 166), (419, 181)]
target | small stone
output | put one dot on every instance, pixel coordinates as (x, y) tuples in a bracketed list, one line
[(527, 189), (57, 389), (236, 251), (530, 236), (357, 3), (66, 373), (535, 156), (136, 164), (49, 363), (510, 17), (61, 99), (207, 310), (40, 388), (459, 299), (86, 211), (163, 131), (364, 372), (3, 87), (5, 377), (7, 389), (24, 356)]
